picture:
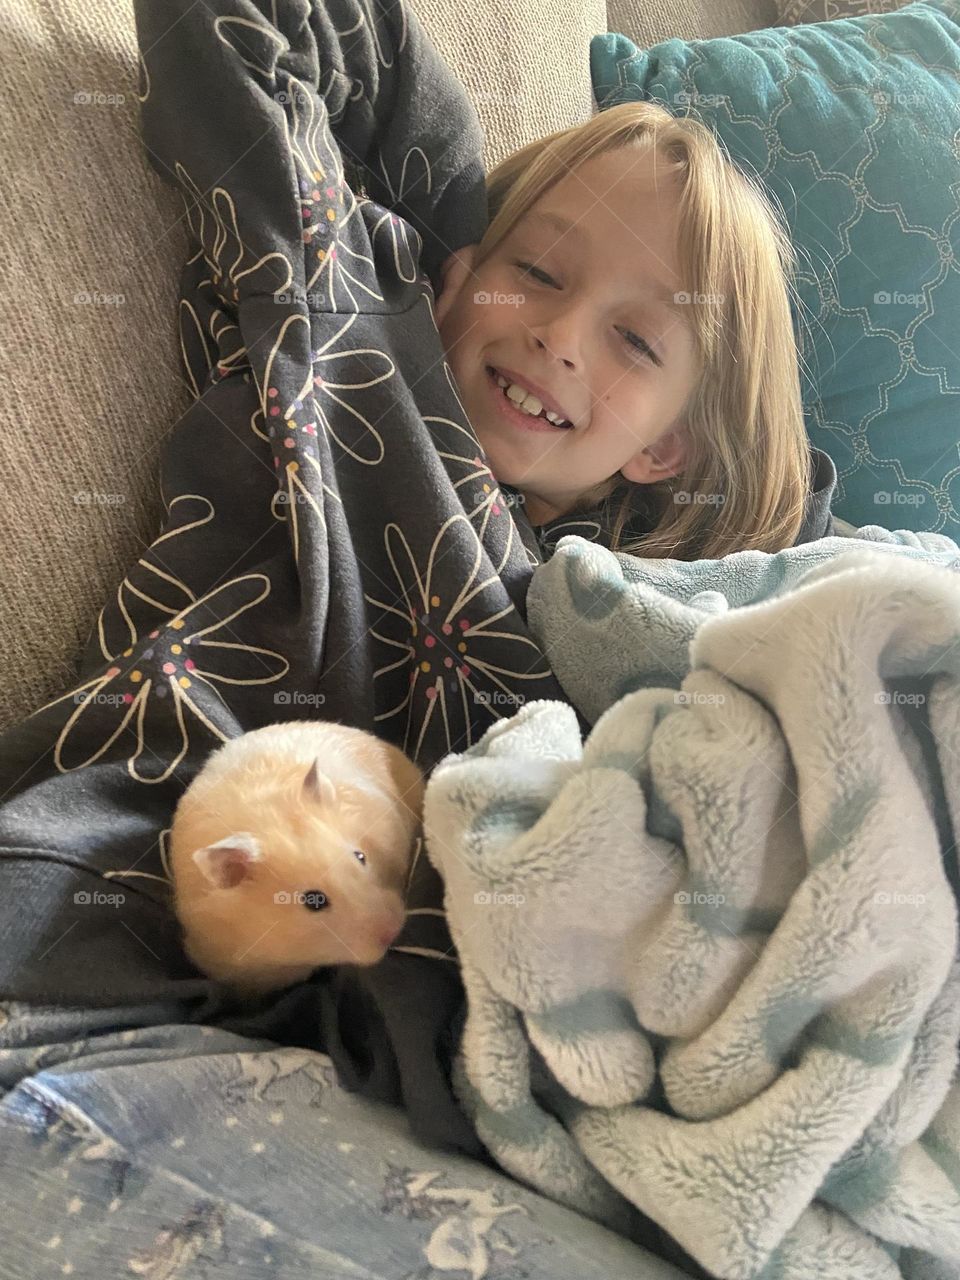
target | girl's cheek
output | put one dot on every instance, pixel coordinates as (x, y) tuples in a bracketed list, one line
[(456, 320)]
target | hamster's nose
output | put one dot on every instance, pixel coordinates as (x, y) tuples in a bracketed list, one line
[(388, 935), (390, 925)]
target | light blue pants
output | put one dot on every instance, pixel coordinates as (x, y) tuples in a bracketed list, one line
[(181, 1151)]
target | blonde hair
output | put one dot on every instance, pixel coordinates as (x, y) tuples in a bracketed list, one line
[(747, 440)]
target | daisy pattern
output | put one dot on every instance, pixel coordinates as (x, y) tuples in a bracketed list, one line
[(153, 689), (339, 277), (455, 648), (396, 240), (212, 219), (210, 346), (149, 591), (301, 498), (323, 394), (333, 531), (342, 277)]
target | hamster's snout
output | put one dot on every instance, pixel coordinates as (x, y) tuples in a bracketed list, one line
[(388, 935), (387, 924), (390, 926)]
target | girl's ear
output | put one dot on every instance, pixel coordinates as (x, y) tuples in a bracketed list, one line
[(660, 460), (455, 273)]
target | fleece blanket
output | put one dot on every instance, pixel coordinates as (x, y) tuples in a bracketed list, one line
[(331, 545), (710, 953)]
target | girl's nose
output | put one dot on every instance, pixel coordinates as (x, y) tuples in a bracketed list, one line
[(540, 343)]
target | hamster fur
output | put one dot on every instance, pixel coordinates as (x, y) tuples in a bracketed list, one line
[(292, 849)]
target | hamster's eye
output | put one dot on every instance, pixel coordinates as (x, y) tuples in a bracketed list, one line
[(359, 855), (315, 900)]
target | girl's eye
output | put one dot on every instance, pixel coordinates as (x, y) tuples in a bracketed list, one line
[(643, 346), (634, 339), (528, 270)]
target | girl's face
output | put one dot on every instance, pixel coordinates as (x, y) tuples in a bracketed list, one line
[(587, 312)]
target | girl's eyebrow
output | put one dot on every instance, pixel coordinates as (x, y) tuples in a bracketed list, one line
[(557, 222)]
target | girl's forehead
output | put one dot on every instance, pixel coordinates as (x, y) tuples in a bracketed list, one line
[(621, 204), (627, 172)]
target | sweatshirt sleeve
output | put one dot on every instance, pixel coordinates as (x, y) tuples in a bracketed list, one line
[(818, 521), (362, 72), (401, 117)]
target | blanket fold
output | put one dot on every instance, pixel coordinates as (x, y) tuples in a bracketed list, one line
[(711, 952)]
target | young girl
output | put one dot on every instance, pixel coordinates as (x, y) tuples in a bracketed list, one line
[(636, 282)]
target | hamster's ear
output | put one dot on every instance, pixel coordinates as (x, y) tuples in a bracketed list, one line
[(317, 786), (227, 863)]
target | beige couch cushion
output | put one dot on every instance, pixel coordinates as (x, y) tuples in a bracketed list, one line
[(94, 386), (648, 22), (526, 66)]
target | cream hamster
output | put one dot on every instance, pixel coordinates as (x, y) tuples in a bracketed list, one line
[(291, 849)]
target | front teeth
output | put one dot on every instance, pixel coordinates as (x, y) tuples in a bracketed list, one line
[(527, 401)]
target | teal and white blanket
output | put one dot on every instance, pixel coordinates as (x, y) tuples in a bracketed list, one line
[(710, 953)]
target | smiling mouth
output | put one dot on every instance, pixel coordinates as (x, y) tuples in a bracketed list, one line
[(541, 417)]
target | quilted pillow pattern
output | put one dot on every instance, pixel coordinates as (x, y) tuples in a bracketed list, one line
[(793, 12)]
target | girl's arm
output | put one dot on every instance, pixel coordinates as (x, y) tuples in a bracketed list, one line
[(364, 72), (393, 102)]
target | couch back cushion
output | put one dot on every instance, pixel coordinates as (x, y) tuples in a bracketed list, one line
[(648, 22)]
